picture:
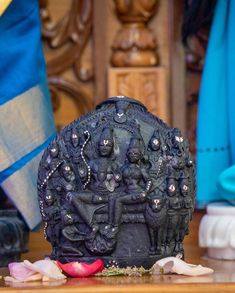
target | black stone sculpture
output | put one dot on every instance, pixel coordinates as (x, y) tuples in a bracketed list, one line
[(117, 184)]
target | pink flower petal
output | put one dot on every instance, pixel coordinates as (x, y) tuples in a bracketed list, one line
[(19, 271), (80, 269), (35, 277), (178, 266), (47, 268)]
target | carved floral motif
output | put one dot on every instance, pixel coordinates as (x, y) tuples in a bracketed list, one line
[(65, 41), (146, 84)]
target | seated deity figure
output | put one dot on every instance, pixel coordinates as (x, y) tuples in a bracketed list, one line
[(104, 178), (67, 182), (137, 181), (104, 170)]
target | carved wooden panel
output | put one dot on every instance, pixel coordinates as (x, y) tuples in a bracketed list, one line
[(134, 56), (79, 42), (149, 85), (66, 32), (106, 27)]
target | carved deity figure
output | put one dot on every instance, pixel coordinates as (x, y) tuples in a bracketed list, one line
[(185, 215), (137, 182), (173, 207), (104, 178), (71, 233), (74, 149), (104, 170), (155, 216), (53, 158), (67, 181), (176, 150), (157, 160), (155, 143)]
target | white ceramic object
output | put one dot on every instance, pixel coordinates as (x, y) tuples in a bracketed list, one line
[(217, 231)]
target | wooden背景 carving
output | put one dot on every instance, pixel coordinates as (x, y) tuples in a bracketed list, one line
[(146, 84), (135, 43), (66, 44), (85, 80)]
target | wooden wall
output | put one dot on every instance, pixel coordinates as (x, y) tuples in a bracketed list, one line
[(81, 38)]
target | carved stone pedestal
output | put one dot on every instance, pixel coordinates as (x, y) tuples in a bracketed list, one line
[(147, 84), (13, 237), (124, 254)]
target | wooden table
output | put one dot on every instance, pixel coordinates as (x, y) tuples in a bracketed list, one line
[(223, 280)]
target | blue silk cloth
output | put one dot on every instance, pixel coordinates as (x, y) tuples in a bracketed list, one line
[(26, 117), (216, 116)]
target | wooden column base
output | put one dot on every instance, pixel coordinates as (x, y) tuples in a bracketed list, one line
[(147, 84)]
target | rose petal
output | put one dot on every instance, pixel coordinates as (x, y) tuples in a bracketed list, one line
[(47, 268), (80, 269), (168, 266), (179, 267), (35, 277), (19, 271)]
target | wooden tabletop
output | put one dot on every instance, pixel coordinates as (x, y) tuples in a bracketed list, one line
[(222, 280)]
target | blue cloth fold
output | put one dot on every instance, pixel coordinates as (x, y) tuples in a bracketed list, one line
[(216, 119), (26, 117), (22, 64)]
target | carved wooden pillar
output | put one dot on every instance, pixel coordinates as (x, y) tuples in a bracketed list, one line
[(134, 71), (134, 44)]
